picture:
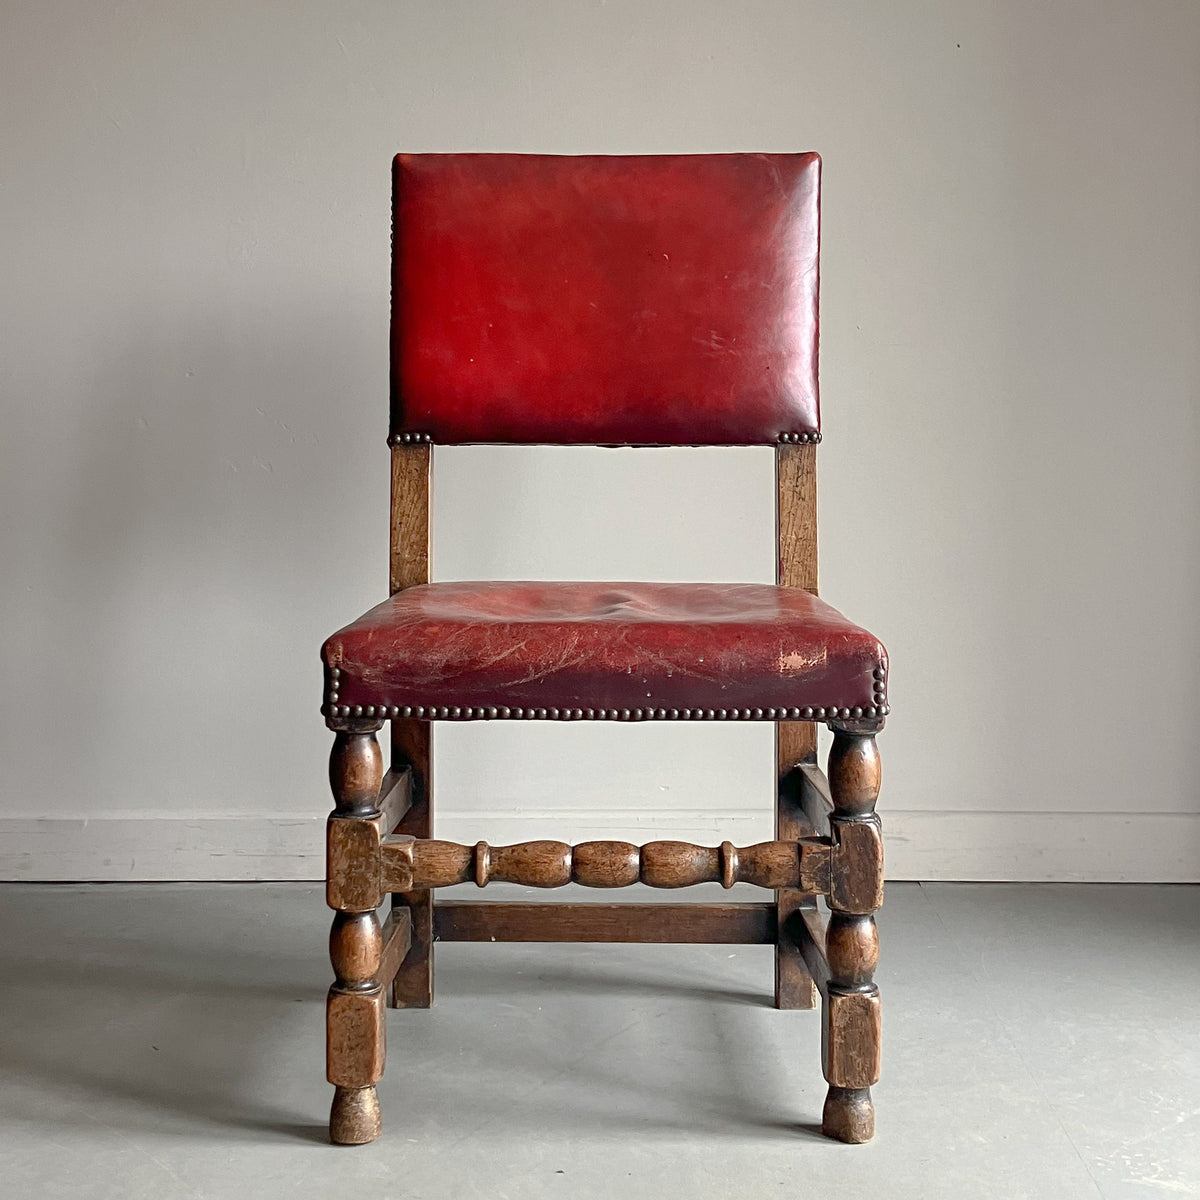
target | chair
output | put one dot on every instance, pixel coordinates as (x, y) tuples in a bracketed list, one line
[(646, 300)]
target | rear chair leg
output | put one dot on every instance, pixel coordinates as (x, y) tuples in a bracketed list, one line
[(355, 1028), (412, 744), (850, 1033), (795, 742)]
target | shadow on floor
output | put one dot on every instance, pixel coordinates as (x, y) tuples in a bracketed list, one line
[(200, 1007)]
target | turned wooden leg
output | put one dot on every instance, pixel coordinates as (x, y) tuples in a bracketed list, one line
[(355, 1026), (850, 1034), (412, 744)]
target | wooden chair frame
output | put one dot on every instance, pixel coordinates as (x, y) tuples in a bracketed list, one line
[(827, 843)]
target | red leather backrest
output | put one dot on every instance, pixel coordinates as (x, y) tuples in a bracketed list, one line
[(642, 300)]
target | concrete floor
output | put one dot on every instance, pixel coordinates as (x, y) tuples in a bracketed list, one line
[(165, 1041)]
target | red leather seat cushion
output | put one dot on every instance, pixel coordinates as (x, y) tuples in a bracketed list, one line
[(605, 650)]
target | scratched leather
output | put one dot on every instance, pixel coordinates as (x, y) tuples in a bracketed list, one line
[(647, 300), (610, 645)]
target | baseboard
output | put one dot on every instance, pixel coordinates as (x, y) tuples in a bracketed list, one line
[(135, 848), (921, 845)]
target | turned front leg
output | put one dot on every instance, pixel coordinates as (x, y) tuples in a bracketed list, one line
[(355, 1026), (850, 1036)]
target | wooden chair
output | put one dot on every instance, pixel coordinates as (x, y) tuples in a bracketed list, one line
[(648, 300)]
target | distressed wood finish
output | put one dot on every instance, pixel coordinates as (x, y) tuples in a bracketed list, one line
[(856, 866), (814, 798), (352, 876), (395, 798), (412, 744), (412, 864), (794, 985), (850, 1032), (412, 481), (796, 516), (795, 741), (397, 938), (807, 928), (500, 921), (355, 1034), (412, 740)]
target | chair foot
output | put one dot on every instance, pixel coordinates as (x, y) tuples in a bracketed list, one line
[(849, 1115), (354, 1117)]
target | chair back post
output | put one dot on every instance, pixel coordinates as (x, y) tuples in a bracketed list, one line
[(796, 567), (412, 480), (409, 565), (795, 741), (412, 741)]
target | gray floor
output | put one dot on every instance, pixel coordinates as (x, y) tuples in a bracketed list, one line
[(165, 1041)]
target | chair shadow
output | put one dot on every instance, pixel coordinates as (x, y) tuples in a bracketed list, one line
[(509, 981), (185, 1026)]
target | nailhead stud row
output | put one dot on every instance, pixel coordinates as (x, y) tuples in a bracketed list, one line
[(503, 712), (881, 687), (411, 439)]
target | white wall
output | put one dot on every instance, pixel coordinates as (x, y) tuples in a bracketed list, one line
[(194, 244)]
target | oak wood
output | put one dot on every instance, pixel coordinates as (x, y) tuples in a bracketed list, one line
[(796, 567), (850, 1026), (679, 864), (849, 1115), (501, 921), (850, 1039), (353, 882), (605, 864), (412, 741), (355, 948), (807, 928), (395, 797), (856, 866), (412, 481), (412, 746), (397, 938), (354, 1116), (853, 943), (410, 864), (794, 985), (815, 801), (356, 770), (854, 774), (355, 1036), (796, 516), (354, 1025), (795, 741)]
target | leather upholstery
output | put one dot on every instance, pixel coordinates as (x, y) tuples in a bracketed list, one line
[(646, 300), (606, 649)]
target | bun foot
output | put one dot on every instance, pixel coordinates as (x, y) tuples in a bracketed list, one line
[(849, 1115), (354, 1118)]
